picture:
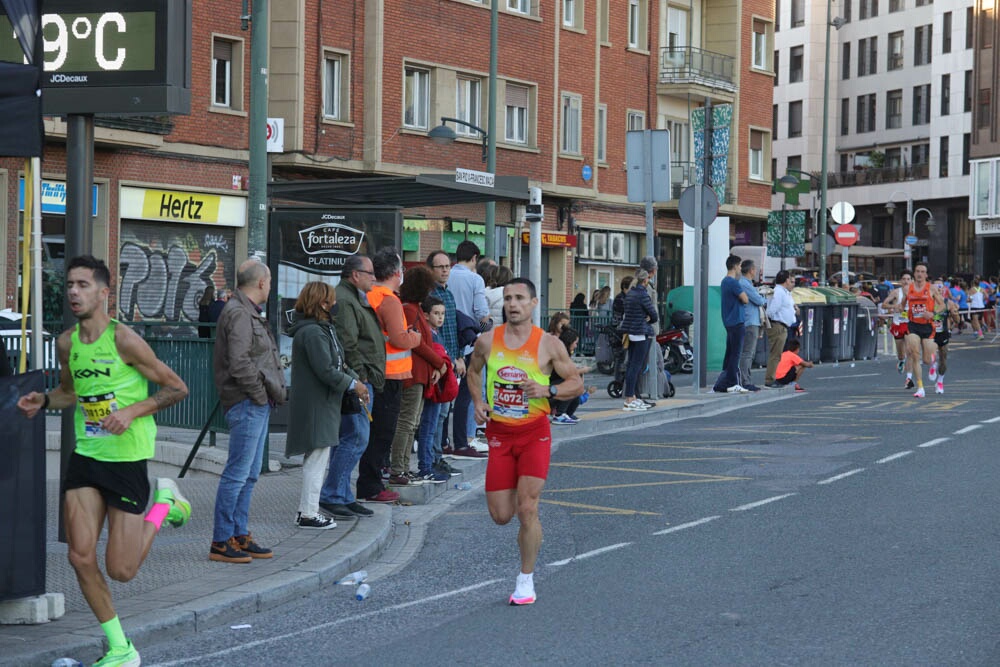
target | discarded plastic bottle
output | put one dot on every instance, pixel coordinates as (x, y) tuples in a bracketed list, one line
[(464, 486), (67, 662), (354, 578), (362, 592)]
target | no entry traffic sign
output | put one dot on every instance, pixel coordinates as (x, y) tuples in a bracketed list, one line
[(847, 235)]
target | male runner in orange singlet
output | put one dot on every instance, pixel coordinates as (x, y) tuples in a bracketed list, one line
[(924, 305), (519, 358)]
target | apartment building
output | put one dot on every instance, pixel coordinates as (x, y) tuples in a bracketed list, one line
[(899, 115), (360, 84), (984, 185)]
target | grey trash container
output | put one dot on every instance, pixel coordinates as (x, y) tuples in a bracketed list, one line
[(811, 305), (866, 329)]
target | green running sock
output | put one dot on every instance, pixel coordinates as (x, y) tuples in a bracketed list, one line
[(116, 636)]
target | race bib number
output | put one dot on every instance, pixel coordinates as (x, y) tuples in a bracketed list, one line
[(96, 408), (510, 399)]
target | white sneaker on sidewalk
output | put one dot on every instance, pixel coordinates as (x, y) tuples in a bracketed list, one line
[(737, 389)]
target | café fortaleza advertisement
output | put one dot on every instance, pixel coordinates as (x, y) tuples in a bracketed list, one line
[(314, 243)]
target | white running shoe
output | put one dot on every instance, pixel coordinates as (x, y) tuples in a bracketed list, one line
[(737, 389), (635, 406), (939, 387), (524, 592), (919, 393), (479, 444)]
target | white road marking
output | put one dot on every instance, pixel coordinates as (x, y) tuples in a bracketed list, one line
[(590, 554), (325, 626), (683, 526), (857, 375), (967, 429), (991, 421), (842, 475), (893, 457), (750, 506), (935, 441)]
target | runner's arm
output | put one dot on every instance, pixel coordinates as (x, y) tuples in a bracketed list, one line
[(63, 396), (474, 373), (572, 384), (137, 353)]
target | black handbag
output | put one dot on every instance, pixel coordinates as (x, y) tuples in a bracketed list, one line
[(350, 404)]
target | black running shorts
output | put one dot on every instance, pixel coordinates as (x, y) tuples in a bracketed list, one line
[(788, 377), (942, 337), (123, 484), (922, 330)]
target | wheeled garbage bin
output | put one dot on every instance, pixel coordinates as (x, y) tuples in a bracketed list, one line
[(811, 305), (866, 329), (838, 324)]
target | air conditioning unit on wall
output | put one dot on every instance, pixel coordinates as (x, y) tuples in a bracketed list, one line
[(583, 245)]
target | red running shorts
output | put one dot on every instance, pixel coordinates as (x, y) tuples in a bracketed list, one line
[(519, 450), (900, 330)]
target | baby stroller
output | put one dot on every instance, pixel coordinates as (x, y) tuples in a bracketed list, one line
[(616, 365), (664, 388)]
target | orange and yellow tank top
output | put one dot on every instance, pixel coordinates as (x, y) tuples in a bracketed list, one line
[(920, 304), (506, 371)]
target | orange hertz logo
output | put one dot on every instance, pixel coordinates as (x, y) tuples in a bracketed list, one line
[(512, 374)]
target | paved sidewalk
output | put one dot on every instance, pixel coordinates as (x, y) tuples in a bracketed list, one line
[(178, 590)]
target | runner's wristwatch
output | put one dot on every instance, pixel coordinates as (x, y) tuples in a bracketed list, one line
[(553, 390)]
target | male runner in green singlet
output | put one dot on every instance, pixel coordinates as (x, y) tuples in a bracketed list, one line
[(518, 359), (105, 370)]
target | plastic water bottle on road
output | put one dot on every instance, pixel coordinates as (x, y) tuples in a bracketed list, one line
[(354, 578), (67, 662), (362, 592), (464, 486)]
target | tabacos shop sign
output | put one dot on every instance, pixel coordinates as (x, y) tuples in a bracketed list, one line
[(319, 242)]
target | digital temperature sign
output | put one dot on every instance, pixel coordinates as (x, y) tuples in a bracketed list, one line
[(111, 56)]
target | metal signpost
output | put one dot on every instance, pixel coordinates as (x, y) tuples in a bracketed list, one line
[(842, 213)]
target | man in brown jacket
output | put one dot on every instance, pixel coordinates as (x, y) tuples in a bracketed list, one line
[(250, 381)]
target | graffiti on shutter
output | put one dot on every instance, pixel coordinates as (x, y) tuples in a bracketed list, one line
[(165, 268)]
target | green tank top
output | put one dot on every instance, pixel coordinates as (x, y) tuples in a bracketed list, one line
[(105, 384)]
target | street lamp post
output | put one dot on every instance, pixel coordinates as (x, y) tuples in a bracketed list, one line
[(836, 23), (911, 222)]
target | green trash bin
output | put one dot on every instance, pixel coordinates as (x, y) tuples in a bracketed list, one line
[(812, 304), (839, 328), (682, 298)]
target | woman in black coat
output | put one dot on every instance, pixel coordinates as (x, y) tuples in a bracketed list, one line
[(637, 324)]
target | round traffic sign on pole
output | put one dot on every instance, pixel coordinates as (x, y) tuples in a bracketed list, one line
[(842, 212), (911, 240), (709, 207), (847, 235)]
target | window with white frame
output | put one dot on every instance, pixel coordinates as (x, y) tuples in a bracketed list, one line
[(981, 189), (227, 68), (519, 6), (922, 36), (922, 104), (516, 109), (762, 44), (416, 97), (468, 102), (635, 120), (572, 14), (894, 109), (602, 133), (895, 55), (335, 86), (637, 24), (758, 154), (571, 126)]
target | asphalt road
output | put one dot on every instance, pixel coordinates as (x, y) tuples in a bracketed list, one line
[(849, 525)]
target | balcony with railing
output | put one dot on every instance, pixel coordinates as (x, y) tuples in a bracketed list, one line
[(873, 176), (682, 174), (690, 65)]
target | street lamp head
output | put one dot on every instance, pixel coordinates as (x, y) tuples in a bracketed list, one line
[(839, 22), (930, 223), (442, 134), (890, 208), (788, 182)]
